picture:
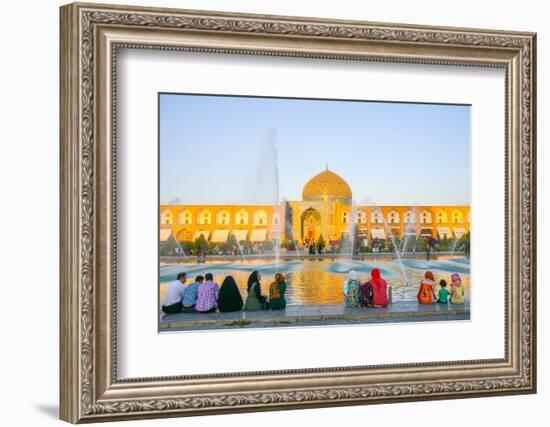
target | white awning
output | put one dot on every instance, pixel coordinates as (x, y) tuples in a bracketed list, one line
[(240, 235), (165, 234), (444, 232), (205, 233), (220, 236), (259, 235), (459, 232), (378, 233)]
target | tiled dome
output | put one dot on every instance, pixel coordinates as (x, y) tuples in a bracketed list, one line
[(327, 186)]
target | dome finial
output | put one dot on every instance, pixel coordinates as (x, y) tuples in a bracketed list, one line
[(326, 165)]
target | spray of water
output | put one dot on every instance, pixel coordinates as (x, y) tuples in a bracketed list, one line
[(267, 183), (240, 248), (352, 225), (410, 230), (453, 247), (394, 244), (180, 248)]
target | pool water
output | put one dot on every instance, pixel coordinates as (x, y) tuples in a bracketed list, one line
[(320, 281)]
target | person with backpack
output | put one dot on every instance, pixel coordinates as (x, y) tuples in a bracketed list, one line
[(366, 295), (277, 293), (351, 289)]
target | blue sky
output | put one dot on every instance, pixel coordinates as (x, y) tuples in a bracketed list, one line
[(229, 150)]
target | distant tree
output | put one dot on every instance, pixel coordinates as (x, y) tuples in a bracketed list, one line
[(464, 242), (246, 245), (444, 244), (320, 244), (421, 244), (232, 241), (200, 243), (186, 246)]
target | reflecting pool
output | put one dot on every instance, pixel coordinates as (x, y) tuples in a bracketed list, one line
[(320, 280)]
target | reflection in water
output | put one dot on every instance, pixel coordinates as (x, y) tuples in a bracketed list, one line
[(319, 281)]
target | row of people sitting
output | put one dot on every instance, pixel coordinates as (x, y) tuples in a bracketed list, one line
[(427, 294), (374, 293), (205, 296)]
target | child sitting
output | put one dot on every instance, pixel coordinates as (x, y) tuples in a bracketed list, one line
[(443, 294)]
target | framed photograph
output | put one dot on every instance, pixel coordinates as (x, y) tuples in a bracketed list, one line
[(265, 213)]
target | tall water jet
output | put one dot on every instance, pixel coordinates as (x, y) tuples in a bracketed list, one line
[(298, 250), (453, 246), (239, 246), (352, 227), (181, 250), (410, 229), (268, 185), (394, 244)]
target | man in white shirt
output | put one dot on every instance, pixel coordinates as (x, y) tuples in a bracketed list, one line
[(174, 294)]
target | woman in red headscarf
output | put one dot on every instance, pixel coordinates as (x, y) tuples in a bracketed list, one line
[(426, 293), (379, 289)]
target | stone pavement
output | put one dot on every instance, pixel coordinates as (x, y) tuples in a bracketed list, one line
[(312, 315)]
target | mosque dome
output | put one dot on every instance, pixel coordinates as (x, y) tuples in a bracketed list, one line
[(327, 186)]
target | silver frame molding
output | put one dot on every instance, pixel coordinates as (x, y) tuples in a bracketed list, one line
[(90, 37)]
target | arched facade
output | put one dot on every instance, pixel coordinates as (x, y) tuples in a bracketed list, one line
[(223, 217), (260, 217), (326, 209), (425, 217), (345, 217), (185, 217), (410, 217), (441, 217), (241, 217), (393, 217), (166, 217), (457, 217), (376, 217), (205, 217)]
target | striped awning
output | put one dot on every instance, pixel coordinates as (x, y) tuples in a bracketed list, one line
[(205, 233), (220, 236), (240, 235), (165, 234), (459, 232), (259, 235), (444, 232), (378, 233)]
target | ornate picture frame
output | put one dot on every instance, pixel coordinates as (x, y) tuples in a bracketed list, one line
[(90, 37)]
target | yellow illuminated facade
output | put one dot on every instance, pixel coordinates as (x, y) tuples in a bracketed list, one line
[(325, 209)]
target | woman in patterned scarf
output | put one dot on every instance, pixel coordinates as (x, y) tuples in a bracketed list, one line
[(457, 290), (426, 293)]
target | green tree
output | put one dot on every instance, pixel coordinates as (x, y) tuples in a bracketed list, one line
[(464, 242), (444, 244), (320, 244), (200, 243)]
